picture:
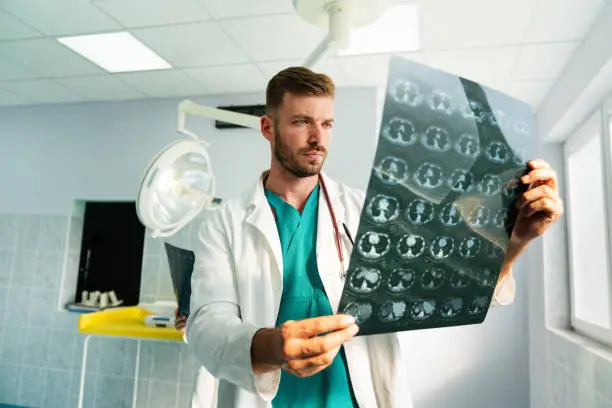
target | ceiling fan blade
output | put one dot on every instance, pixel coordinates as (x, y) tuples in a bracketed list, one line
[(241, 119)]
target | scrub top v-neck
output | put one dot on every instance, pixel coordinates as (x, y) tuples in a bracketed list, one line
[(304, 297)]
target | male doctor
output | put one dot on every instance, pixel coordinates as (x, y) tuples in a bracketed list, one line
[(268, 274)]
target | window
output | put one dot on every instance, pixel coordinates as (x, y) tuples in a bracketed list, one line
[(588, 165)]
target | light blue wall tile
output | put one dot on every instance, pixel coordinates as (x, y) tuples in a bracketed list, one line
[(61, 349), (3, 301), (142, 393), (9, 227), (37, 344), (109, 391), (6, 265), (31, 386), (185, 395), (30, 229), (129, 359), (54, 229), (24, 266), (189, 365), (112, 354), (162, 394), (9, 383), (13, 346), (57, 387), (165, 361), (42, 307), (47, 269)]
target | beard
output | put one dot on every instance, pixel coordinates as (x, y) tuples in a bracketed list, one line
[(295, 162)]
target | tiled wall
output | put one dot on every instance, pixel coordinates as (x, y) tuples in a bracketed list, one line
[(40, 348)]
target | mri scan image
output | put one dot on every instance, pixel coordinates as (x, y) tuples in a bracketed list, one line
[(440, 202)]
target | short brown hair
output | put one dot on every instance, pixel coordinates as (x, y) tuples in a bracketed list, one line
[(298, 81)]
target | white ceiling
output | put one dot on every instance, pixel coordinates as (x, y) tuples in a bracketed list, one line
[(230, 46)]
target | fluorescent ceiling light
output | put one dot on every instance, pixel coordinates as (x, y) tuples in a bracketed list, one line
[(116, 52), (396, 30)]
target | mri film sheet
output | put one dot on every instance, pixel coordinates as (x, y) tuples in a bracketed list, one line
[(440, 203)]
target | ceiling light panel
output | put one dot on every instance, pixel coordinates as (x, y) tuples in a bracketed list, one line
[(116, 52), (396, 30)]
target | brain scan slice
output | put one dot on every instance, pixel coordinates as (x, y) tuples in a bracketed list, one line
[(475, 111), (451, 307), (486, 278), (493, 251), (459, 279), (490, 185), (429, 175), (400, 279), (410, 246), (361, 311), (460, 180), (422, 309), (406, 93), (499, 119), (500, 218), (498, 153), (468, 146), (392, 170), (441, 103), (441, 247), (469, 247), (365, 280), (400, 132), (478, 305), (450, 215), (479, 217), (419, 212), (373, 245), (436, 139), (383, 208), (522, 128), (392, 310), (433, 278)]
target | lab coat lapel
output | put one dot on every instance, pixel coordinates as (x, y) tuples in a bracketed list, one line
[(262, 218), (328, 261)]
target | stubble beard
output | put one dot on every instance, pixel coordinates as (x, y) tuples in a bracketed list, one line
[(290, 161)]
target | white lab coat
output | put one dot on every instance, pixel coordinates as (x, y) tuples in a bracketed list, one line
[(237, 288)]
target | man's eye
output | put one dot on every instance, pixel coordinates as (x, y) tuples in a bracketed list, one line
[(328, 125), (300, 122)]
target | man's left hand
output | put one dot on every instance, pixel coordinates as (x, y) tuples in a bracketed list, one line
[(539, 206)]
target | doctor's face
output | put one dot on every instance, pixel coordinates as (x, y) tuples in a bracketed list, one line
[(302, 129)]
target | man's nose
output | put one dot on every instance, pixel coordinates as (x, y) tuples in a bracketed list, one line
[(316, 132)]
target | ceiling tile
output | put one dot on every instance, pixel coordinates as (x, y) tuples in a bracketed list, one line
[(543, 61), (488, 66), (47, 57), (473, 23), (532, 92), (221, 9), (562, 20), (365, 70), (100, 88), (61, 17), (13, 29), (158, 12), (8, 98), (162, 84), (270, 38), (43, 90), (10, 71), (230, 79), (192, 45)]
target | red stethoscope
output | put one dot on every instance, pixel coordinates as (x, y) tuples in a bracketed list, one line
[(334, 222)]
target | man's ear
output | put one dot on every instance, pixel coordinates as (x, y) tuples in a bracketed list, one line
[(267, 127)]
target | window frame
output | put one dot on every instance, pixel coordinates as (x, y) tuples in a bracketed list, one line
[(598, 123)]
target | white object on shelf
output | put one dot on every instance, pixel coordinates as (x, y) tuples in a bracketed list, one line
[(161, 308)]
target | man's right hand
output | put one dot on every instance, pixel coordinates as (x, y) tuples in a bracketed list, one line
[(302, 347)]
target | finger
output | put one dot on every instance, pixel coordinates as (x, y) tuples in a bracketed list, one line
[(317, 325), (322, 344), (543, 175), (535, 194), (538, 164), (307, 365), (548, 206)]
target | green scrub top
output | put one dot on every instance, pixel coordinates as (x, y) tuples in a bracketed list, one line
[(303, 297)]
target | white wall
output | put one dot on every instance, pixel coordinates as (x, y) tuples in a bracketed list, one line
[(52, 155), (567, 369)]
